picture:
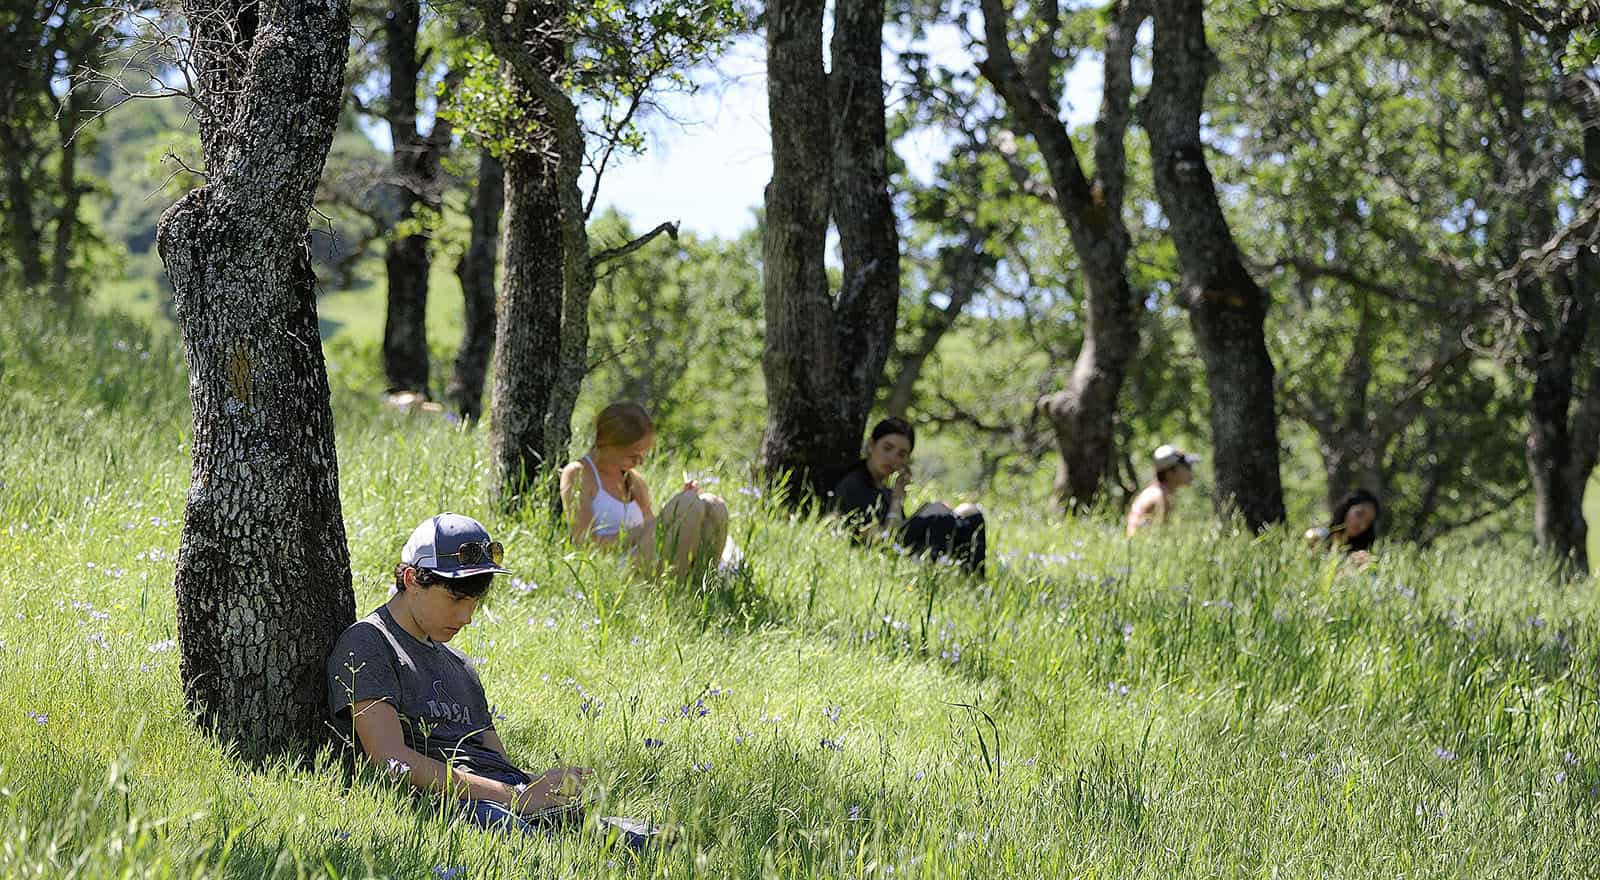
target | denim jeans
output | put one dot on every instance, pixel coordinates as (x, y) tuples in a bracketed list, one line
[(492, 816), (495, 816)]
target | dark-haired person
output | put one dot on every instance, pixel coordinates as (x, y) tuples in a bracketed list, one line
[(417, 706), (607, 502), (1174, 470), (872, 498), (1354, 527)]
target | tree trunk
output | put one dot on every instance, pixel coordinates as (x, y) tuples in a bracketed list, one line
[(1555, 312), (1555, 343), (1346, 438), (415, 164), (405, 331), (19, 195), (1081, 413), (71, 115), (1227, 309), (863, 211), (66, 224), (528, 340), (263, 577), (476, 271), (824, 355), (542, 205)]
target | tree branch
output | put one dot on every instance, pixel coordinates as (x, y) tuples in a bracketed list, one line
[(1495, 505), (1404, 410), (612, 138), (1560, 251), (1347, 275), (604, 256)]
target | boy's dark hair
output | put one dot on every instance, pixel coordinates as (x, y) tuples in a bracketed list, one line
[(1351, 499), (471, 586), (895, 425)]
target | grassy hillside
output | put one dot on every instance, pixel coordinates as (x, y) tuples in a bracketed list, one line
[(1193, 704)]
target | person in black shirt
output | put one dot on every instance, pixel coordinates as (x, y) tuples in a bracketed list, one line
[(871, 497), (1354, 528)]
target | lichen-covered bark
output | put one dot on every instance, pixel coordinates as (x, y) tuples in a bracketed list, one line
[(1227, 309), (528, 340), (476, 270), (824, 355), (263, 576)]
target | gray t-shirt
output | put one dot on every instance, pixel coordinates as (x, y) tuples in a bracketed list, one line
[(433, 687)]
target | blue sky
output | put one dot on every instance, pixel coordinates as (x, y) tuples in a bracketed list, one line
[(709, 154)]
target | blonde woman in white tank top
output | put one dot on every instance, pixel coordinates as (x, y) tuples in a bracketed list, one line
[(607, 502)]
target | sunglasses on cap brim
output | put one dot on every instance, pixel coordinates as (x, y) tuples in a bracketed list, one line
[(477, 553)]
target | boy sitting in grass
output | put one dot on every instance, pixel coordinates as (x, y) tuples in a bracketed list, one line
[(416, 704)]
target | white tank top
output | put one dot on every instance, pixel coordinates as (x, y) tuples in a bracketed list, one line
[(611, 515)]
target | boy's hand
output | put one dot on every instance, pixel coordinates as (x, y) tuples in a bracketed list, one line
[(558, 787)]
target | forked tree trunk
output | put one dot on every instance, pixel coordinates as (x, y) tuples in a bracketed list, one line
[(1082, 412), (824, 354), (263, 576), (476, 270), (1227, 309), (544, 255), (542, 335)]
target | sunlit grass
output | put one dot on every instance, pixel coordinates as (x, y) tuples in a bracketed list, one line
[(1197, 704)]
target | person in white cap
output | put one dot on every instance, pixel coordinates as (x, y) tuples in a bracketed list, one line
[(416, 706), (1174, 470)]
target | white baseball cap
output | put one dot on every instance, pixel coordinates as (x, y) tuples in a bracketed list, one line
[(1167, 455), (440, 544)]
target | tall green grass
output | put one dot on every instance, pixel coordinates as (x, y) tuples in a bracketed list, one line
[(1198, 703)]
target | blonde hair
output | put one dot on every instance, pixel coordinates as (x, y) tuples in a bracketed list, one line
[(621, 424)]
